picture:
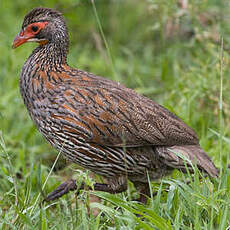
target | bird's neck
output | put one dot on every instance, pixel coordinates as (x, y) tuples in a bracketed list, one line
[(50, 54)]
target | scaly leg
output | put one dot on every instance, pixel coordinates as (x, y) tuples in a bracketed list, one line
[(70, 185)]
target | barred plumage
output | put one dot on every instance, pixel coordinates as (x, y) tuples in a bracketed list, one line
[(97, 123)]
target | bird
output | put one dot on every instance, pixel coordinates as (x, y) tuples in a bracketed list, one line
[(98, 123)]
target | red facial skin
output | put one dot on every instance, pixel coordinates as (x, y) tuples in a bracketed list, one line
[(28, 33)]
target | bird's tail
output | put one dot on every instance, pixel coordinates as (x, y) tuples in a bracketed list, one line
[(179, 156)]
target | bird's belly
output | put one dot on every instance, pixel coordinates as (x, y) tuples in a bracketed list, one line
[(108, 161)]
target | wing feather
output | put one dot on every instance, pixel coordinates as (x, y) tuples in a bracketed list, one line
[(118, 116)]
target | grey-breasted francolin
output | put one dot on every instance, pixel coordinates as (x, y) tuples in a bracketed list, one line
[(97, 123)]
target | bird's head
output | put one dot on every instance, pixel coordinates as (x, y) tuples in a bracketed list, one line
[(42, 25)]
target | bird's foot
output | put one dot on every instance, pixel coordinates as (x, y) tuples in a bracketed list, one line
[(69, 185)]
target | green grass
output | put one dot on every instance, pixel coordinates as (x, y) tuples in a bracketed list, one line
[(150, 49)]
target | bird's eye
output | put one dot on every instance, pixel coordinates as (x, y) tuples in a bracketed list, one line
[(34, 28)]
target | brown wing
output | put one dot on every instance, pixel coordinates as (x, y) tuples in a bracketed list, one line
[(113, 115)]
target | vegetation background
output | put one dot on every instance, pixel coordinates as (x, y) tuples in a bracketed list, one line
[(168, 50)]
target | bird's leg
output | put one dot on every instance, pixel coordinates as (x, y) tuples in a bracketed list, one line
[(62, 189), (144, 194), (110, 189), (71, 185), (144, 191)]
